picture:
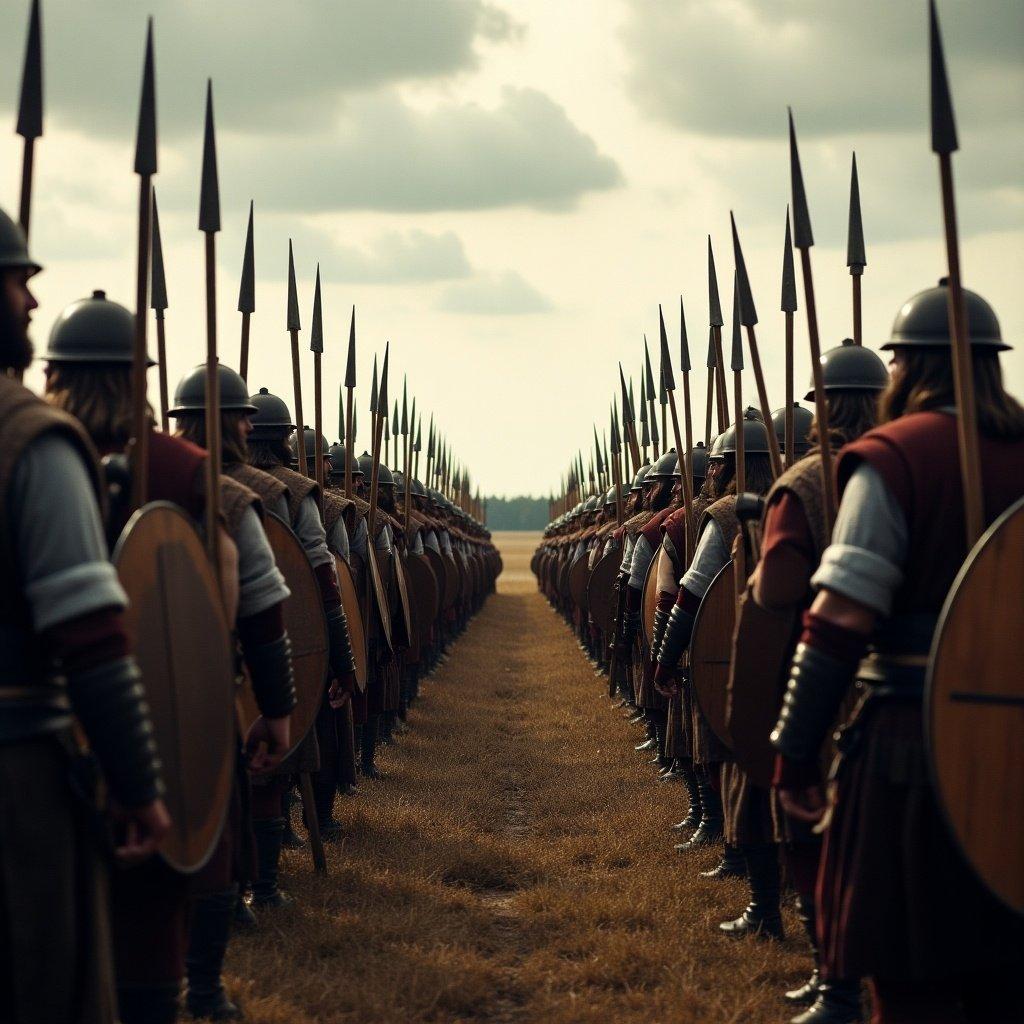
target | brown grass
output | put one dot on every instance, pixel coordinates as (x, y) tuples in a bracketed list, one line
[(515, 865)]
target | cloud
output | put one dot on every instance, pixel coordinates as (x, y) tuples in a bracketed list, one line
[(276, 66), (505, 294), (730, 67)]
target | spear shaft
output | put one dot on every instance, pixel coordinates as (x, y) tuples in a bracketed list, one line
[(318, 422), (774, 454), (789, 420), (349, 439)]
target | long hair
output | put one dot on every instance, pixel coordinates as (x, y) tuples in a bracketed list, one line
[(99, 396), (924, 380), (268, 454), (758, 474), (850, 414), (660, 496), (192, 427)]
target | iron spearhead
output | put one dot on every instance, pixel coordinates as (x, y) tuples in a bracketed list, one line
[(736, 363), (316, 326), (30, 103), (788, 273), (373, 388), (803, 237), (643, 399), (712, 354), (648, 370), (294, 323), (405, 406), (158, 282), (747, 311), (394, 422), (383, 396), (597, 449), (209, 192), (350, 366), (667, 376), (627, 407), (944, 138), (684, 344), (856, 259), (247, 289), (145, 134), (714, 304)]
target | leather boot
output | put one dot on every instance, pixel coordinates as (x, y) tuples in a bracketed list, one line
[(693, 814), (806, 993), (292, 840), (732, 865), (207, 943), (151, 1004), (244, 919), (838, 1002), (762, 918), (709, 831), (269, 833), (368, 749)]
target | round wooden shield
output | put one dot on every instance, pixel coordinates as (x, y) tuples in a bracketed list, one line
[(650, 597), (579, 577), (600, 595), (762, 651), (376, 581), (711, 650), (307, 630), (463, 571), (424, 593), (563, 581), (354, 615), (451, 583), (440, 569), (182, 642), (535, 562), (974, 708), (405, 612)]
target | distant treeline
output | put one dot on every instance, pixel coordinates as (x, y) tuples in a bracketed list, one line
[(521, 513)]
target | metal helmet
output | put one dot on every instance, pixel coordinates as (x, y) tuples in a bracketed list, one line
[(418, 489), (190, 394), (384, 477), (641, 476), (577, 510), (592, 504), (309, 445), (336, 453), (611, 498), (923, 321), (14, 248), (802, 421), (666, 468), (93, 330), (717, 443), (700, 457), (851, 367), (272, 419), (755, 435)]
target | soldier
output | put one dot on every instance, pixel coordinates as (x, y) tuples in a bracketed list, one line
[(900, 905), (89, 375), (793, 539), (65, 654)]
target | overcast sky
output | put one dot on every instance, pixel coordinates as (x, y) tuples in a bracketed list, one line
[(507, 190)]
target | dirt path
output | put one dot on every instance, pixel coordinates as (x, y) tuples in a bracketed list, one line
[(515, 865)]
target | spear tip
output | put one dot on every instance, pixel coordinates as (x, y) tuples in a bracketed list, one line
[(667, 374), (158, 286), (350, 366), (747, 311), (856, 258), (294, 323), (714, 303), (209, 193), (803, 237), (944, 137), (247, 288), (684, 343), (736, 362), (316, 326), (145, 134)]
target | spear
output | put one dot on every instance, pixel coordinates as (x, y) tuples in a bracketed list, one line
[(599, 463), (158, 303), (716, 321), (418, 446), (380, 415), (645, 433), (856, 260), (145, 168), (350, 387), (663, 394), (789, 308), (683, 455), (294, 326), (944, 144), (209, 224), (649, 378), (712, 363), (803, 238), (430, 452), (627, 424), (737, 380), (407, 456), (616, 449), (30, 111), (748, 318), (316, 346), (247, 295)]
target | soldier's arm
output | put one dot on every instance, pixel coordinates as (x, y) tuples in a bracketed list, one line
[(782, 578), (76, 603), (337, 540), (359, 541)]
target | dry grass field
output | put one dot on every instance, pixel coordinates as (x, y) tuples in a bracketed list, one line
[(515, 865)]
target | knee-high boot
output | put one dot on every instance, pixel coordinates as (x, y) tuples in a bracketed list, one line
[(268, 833), (709, 831), (368, 748), (763, 917), (693, 813), (209, 930)]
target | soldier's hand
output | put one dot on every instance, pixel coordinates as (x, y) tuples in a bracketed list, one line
[(144, 829), (805, 804), (267, 743), (340, 691)]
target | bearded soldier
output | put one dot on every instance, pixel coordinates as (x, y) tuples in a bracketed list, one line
[(89, 375), (65, 654), (898, 904)]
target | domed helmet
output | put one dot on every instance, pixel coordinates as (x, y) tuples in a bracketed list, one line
[(611, 498), (717, 445), (190, 394), (336, 453), (641, 476), (14, 248), (851, 367), (309, 446), (923, 321), (418, 490), (755, 435), (666, 468), (592, 504), (802, 421), (384, 477), (93, 330), (272, 420), (699, 456)]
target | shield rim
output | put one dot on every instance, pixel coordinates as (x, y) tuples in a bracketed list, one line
[(729, 567)]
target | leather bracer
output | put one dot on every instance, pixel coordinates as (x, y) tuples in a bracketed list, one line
[(343, 662), (272, 677), (678, 631)]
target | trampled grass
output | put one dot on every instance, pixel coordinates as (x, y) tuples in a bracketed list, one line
[(515, 865)]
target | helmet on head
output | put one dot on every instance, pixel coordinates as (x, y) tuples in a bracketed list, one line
[(14, 248), (717, 444), (384, 477), (418, 490), (592, 504), (272, 420), (923, 321), (611, 498), (641, 476), (851, 367), (336, 453), (308, 445), (190, 394), (666, 468), (93, 330), (699, 456), (802, 421), (755, 435)]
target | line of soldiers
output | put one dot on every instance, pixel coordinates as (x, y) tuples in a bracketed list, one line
[(800, 615)]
